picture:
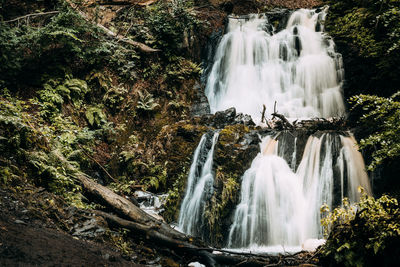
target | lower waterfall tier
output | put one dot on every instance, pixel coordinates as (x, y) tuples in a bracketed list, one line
[(280, 205), (279, 201)]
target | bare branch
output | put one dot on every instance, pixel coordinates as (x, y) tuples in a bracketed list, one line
[(32, 15), (109, 32)]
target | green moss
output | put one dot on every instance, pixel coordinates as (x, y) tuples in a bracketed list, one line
[(367, 34), (232, 133), (221, 205)]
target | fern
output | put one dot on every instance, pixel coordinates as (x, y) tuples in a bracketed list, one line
[(146, 101)]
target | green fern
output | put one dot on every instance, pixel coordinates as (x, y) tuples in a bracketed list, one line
[(146, 101)]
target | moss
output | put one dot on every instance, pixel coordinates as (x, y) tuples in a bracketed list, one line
[(177, 144), (221, 205), (232, 133), (233, 156), (367, 35)]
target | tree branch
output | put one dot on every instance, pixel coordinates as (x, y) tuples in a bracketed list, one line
[(110, 33), (282, 118), (32, 15)]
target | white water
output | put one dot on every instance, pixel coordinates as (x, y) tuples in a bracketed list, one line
[(279, 203), (272, 204), (253, 67), (199, 188), (279, 207), (355, 168)]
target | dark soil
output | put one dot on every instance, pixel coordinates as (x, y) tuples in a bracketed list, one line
[(25, 245), (25, 241)]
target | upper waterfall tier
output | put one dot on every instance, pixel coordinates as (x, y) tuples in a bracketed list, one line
[(296, 67)]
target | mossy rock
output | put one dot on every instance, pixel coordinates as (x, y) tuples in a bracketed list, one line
[(237, 147), (177, 144)]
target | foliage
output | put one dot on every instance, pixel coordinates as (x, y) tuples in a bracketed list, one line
[(95, 116), (338, 216), (221, 205), (114, 97), (380, 120), (146, 102), (150, 174), (180, 69), (169, 22), (29, 146), (124, 61), (175, 195), (368, 34), (49, 46), (53, 175), (369, 236), (121, 240), (166, 25), (55, 92)]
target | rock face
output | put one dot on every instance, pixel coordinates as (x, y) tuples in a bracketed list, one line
[(200, 106), (227, 117), (237, 145)]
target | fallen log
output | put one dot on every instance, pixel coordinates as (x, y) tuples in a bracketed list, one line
[(204, 255), (125, 2), (160, 233), (122, 205), (282, 118)]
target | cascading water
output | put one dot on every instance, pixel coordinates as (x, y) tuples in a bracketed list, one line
[(280, 205), (199, 188), (281, 193), (296, 67)]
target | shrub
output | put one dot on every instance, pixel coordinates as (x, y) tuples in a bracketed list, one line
[(365, 235)]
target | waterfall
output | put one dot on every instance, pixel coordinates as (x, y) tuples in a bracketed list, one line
[(295, 173), (199, 188), (271, 206), (280, 206), (296, 67)]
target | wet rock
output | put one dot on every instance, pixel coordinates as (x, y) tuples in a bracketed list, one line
[(249, 139), (200, 106), (237, 146), (151, 203), (91, 228), (278, 17), (223, 118), (188, 132), (227, 117), (244, 119), (208, 54)]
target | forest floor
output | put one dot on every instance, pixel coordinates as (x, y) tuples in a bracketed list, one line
[(29, 241)]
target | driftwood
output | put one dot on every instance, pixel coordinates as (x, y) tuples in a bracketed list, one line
[(33, 15), (120, 205), (263, 113), (285, 121), (121, 38)]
